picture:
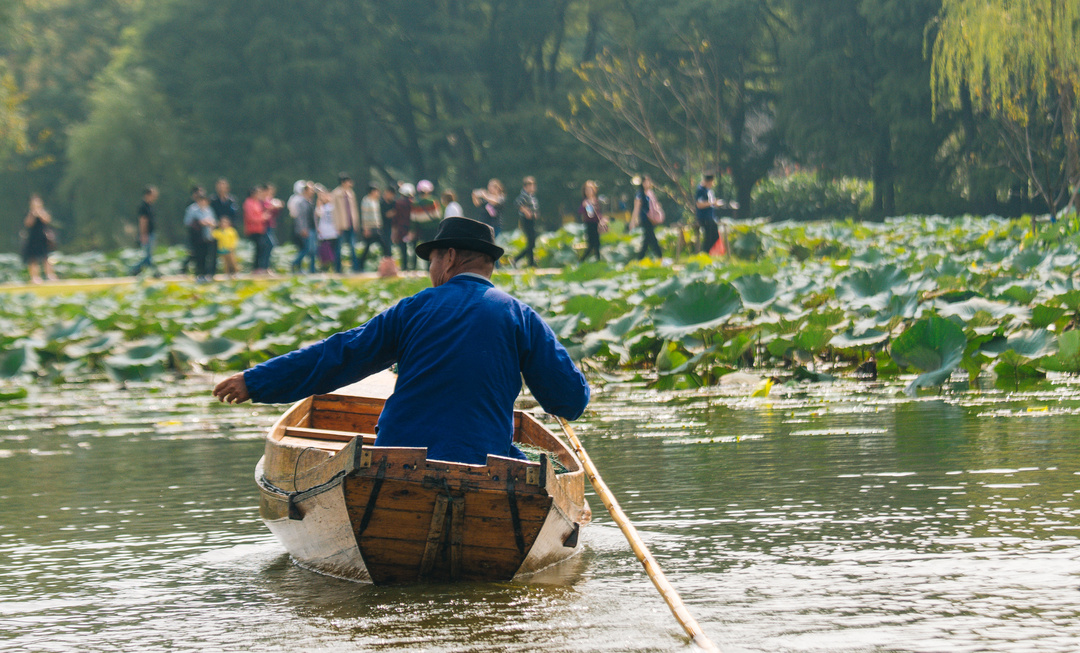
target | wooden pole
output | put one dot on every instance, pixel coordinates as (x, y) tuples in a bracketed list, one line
[(671, 597)]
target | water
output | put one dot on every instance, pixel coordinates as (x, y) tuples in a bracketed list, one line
[(832, 518)]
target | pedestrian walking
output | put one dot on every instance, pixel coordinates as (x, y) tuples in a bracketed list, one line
[(145, 224), (528, 209)]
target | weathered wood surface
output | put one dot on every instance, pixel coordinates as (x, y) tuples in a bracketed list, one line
[(390, 515)]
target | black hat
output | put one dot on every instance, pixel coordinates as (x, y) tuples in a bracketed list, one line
[(462, 233)]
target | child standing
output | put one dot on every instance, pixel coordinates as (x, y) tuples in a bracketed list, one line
[(227, 240)]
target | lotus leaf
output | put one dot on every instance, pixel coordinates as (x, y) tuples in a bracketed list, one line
[(11, 395), (1015, 366), (862, 285), (698, 307), (967, 310), (1043, 316), (1027, 260), (868, 337), (954, 296), (735, 349), (1027, 344), (1067, 359), (780, 348), (596, 310), (585, 271), (826, 318), (672, 286), (747, 246), (206, 350), (617, 329), (564, 326), (803, 374), (899, 306), (140, 362), (20, 359), (1020, 294), (933, 346), (68, 330), (1070, 299), (99, 345), (813, 338), (756, 292), (671, 358)]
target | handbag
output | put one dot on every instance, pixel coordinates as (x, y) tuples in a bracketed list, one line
[(656, 212), (326, 252)]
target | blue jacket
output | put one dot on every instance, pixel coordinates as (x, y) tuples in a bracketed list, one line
[(461, 348)]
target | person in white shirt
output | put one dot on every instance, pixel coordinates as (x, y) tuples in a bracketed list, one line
[(453, 209), (371, 226), (326, 229)]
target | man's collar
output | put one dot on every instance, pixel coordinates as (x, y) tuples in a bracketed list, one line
[(474, 276)]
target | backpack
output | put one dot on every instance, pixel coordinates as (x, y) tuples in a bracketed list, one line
[(656, 212)]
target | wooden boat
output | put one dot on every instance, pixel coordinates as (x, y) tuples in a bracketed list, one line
[(344, 507)]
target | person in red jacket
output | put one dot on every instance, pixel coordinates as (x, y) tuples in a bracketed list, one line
[(255, 224)]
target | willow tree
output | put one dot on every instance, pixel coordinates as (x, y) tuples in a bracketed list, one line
[(1017, 61)]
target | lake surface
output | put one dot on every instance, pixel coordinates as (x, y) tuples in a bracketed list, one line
[(823, 518)]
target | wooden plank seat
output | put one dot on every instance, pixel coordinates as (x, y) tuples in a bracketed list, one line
[(309, 443), (326, 438)]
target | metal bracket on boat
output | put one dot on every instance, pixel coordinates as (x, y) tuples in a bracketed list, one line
[(571, 539), (361, 456), (376, 485), (294, 510), (515, 519), (538, 475)]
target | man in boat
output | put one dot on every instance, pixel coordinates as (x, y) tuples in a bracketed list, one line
[(462, 348)]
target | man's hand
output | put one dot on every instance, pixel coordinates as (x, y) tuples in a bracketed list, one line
[(232, 390)]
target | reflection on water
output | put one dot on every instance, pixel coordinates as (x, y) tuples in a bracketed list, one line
[(819, 519)]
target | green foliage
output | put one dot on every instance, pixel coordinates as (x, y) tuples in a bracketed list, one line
[(811, 320), (855, 97), (803, 196), (698, 307), (1017, 61), (1067, 359), (128, 141), (933, 346)]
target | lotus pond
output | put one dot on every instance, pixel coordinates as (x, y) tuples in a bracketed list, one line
[(925, 302), (750, 414)]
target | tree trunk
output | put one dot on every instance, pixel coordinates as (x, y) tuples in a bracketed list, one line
[(744, 188), (407, 115), (592, 34), (884, 189)]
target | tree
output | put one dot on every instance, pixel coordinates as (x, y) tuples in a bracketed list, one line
[(696, 99), (1018, 61), (50, 52), (128, 142), (12, 115), (855, 94)]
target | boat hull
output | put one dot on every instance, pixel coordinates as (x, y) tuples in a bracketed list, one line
[(388, 515)]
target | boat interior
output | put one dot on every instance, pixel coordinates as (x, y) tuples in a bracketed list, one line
[(329, 422)]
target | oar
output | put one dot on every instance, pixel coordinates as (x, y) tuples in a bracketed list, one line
[(671, 597)]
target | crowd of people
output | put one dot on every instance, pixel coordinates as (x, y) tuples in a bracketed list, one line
[(333, 227)]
